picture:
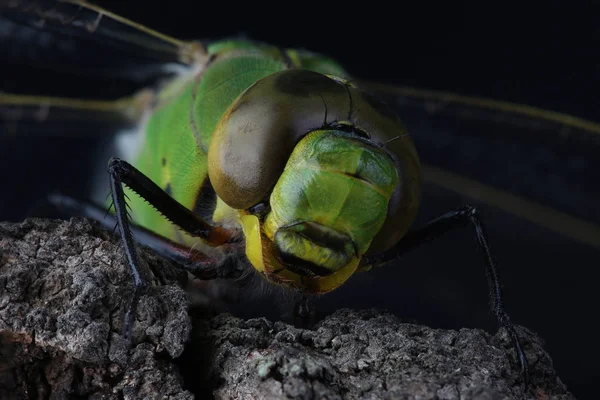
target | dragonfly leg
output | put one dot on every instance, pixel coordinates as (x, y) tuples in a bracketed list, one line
[(199, 264), (466, 215), (121, 172), (304, 312), (132, 257)]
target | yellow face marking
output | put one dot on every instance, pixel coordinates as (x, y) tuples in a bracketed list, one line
[(251, 227), (264, 261)]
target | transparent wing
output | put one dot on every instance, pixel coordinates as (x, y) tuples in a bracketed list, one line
[(540, 165), (86, 39), (75, 37), (77, 55), (25, 116)]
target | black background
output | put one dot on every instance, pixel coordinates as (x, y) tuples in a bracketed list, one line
[(544, 57)]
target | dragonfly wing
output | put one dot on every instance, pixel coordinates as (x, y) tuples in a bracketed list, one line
[(540, 165), (86, 39), (22, 115)]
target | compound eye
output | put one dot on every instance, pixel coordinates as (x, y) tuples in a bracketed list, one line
[(258, 132)]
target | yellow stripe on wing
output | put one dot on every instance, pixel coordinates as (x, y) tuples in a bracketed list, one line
[(556, 221), (483, 103), (83, 15), (131, 107)]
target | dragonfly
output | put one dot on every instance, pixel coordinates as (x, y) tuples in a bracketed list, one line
[(211, 158)]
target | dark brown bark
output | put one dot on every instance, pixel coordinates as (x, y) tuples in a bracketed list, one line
[(63, 286)]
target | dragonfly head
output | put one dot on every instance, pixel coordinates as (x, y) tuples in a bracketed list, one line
[(305, 145)]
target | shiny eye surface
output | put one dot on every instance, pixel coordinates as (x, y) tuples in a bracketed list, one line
[(258, 132)]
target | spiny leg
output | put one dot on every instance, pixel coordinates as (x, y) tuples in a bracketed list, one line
[(121, 172), (199, 264), (454, 219)]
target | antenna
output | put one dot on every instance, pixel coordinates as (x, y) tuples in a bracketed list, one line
[(395, 138)]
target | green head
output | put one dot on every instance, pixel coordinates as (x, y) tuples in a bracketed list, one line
[(331, 200), (304, 159)]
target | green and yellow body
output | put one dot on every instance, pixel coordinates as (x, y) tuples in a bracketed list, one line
[(334, 170)]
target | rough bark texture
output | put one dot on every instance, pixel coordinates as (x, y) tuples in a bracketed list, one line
[(62, 290), (63, 286)]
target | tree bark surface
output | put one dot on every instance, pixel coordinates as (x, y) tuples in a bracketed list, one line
[(64, 286)]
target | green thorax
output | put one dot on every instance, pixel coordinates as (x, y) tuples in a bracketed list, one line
[(177, 135)]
